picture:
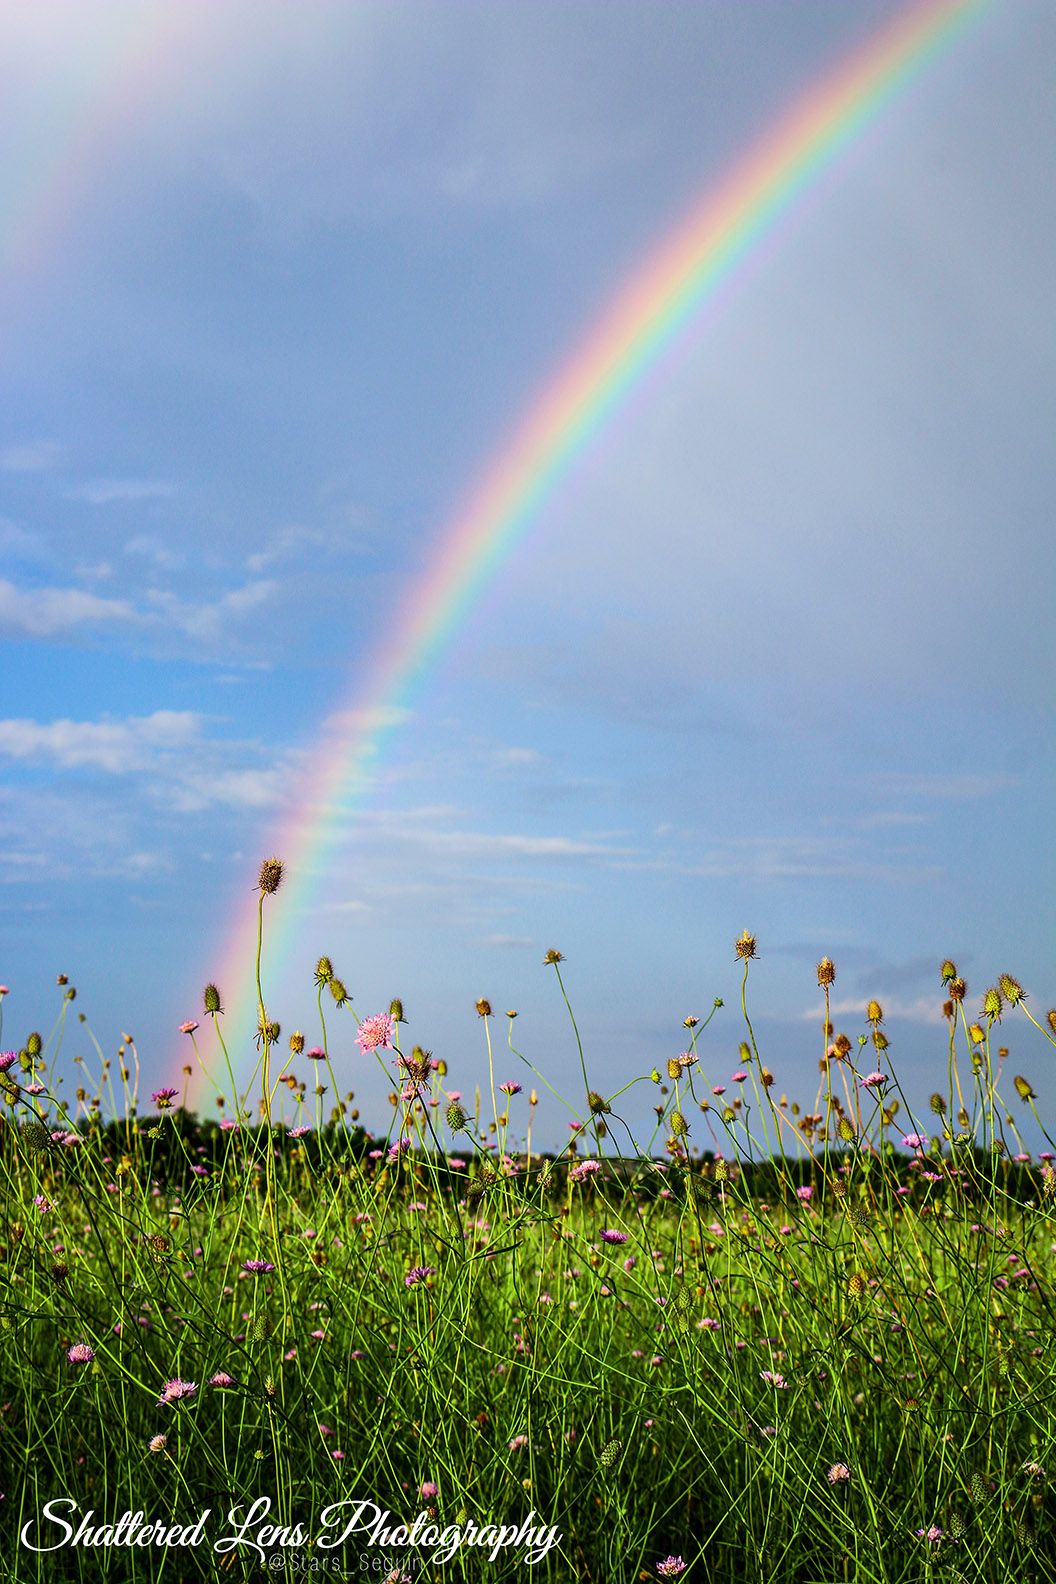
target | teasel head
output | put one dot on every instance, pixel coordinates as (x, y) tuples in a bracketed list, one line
[(679, 1125), (948, 972), (826, 972), (211, 1000), (34, 1044), (874, 1012), (744, 946), (456, 1117), (324, 972), (270, 876), (958, 989), (296, 1043), (938, 1104)]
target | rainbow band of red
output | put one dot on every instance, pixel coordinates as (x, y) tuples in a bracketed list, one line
[(659, 302)]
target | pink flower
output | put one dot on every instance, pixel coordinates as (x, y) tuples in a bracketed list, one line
[(188, 1027), (177, 1391), (418, 1274), (80, 1353), (915, 1141), (428, 1490), (838, 1474), (584, 1169), (222, 1379), (739, 1076), (316, 1053), (510, 1088), (671, 1567), (771, 1378), (375, 1032), (257, 1267), (163, 1098), (874, 1080), (518, 1443), (806, 1194), (610, 1235), (7, 1059)]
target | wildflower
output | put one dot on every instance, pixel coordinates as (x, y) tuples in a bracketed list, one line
[(316, 1053), (933, 1534), (163, 1098), (43, 1203), (874, 1012), (375, 1032), (584, 1169), (744, 947), (610, 1235), (518, 1442), (739, 1076), (826, 972), (177, 1390), (771, 1378), (418, 1274), (80, 1353), (157, 1443), (671, 1567), (805, 1193), (270, 876), (553, 957), (188, 1027), (7, 1059), (298, 1132), (993, 1005), (428, 1489), (222, 1380), (838, 1474), (257, 1267), (873, 1080), (400, 1147), (511, 1088), (915, 1141)]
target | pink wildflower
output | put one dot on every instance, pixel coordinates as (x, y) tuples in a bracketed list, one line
[(610, 1235), (80, 1353), (188, 1027), (222, 1379), (163, 1098), (428, 1490), (375, 1032), (177, 1391), (418, 1274), (671, 1567)]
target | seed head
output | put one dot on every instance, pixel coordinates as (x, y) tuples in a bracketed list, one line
[(338, 991), (270, 876), (690, 1022), (396, 1010), (938, 1104), (1024, 1090), (552, 957), (958, 989), (948, 972), (483, 1008), (880, 1039), (993, 1005), (324, 972), (456, 1117), (610, 1453), (845, 1128), (211, 1000), (597, 1103), (874, 1012), (976, 1033), (826, 972), (679, 1125), (744, 946), (1011, 989), (296, 1042), (34, 1044), (35, 1137), (674, 1067)]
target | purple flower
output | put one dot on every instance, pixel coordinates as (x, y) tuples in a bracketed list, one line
[(222, 1379), (874, 1080), (671, 1567), (163, 1098), (418, 1274), (80, 1353), (584, 1169), (316, 1053), (7, 1059), (428, 1490), (510, 1088), (257, 1267), (400, 1147), (610, 1235), (177, 1391), (806, 1194), (915, 1141)]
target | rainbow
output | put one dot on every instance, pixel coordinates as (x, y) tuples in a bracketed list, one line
[(658, 303)]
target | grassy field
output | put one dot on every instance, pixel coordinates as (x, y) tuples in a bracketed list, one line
[(823, 1352)]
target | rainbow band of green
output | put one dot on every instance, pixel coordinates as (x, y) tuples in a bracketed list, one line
[(646, 318)]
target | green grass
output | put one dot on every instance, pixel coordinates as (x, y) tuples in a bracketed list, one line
[(785, 1359)]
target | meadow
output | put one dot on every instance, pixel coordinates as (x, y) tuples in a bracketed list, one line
[(722, 1336)]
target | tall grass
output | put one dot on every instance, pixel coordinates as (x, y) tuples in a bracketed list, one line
[(820, 1349)]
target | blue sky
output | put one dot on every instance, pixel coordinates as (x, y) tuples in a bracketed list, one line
[(779, 652)]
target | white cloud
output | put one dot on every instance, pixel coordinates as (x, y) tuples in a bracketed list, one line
[(922, 1009), (101, 492), (155, 550), (285, 545), (117, 746), (46, 612)]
